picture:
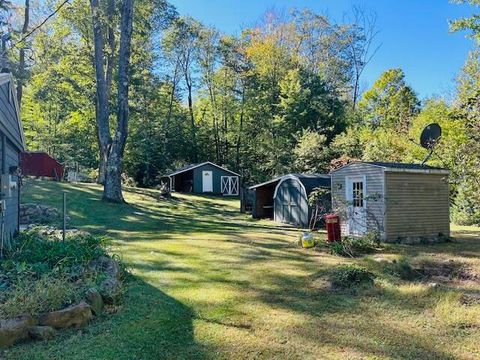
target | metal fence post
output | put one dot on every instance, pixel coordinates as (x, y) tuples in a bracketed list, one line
[(64, 215)]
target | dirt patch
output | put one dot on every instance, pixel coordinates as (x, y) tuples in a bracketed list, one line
[(470, 299), (447, 272)]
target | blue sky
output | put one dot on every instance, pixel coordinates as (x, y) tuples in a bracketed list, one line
[(413, 33)]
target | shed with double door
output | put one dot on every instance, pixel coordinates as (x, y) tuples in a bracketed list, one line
[(12, 143), (400, 202), (204, 178), (285, 199)]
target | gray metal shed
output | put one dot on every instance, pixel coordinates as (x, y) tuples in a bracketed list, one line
[(12, 143), (205, 177), (402, 202), (285, 199)]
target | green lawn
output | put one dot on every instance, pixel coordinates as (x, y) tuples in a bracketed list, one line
[(209, 282)]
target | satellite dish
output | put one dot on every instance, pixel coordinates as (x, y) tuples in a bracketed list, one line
[(430, 136)]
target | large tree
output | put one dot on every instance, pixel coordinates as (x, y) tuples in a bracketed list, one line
[(112, 148), (390, 102)]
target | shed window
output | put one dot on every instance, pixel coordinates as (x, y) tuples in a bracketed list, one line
[(357, 197)]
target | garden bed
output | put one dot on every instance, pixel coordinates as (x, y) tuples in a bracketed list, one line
[(47, 284)]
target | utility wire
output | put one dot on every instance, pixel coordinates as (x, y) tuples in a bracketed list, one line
[(41, 24)]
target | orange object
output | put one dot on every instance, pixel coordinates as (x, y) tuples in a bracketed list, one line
[(332, 222)]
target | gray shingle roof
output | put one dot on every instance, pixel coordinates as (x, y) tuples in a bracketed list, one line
[(314, 181), (394, 165), (193, 166)]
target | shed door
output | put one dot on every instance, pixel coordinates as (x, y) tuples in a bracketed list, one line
[(229, 185), (207, 181), (290, 196), (357, 214)]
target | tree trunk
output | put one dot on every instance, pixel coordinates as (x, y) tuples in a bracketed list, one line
[(356, 86), (113, 181), (240, 130), (103, 82), (21, 59), (216, 136), (193, 131)]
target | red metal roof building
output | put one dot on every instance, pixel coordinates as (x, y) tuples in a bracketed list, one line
[(40, 164)]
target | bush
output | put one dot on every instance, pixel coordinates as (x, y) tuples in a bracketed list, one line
[(402, 269), (350, 276), (34, 297), (43, 252), (354, 246), (43, 274)]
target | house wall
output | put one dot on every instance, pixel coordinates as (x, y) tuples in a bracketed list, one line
[(417, 205), (10, 145), (374, 186), (291, 191), (217, 173), (12, 197), (9, 124)]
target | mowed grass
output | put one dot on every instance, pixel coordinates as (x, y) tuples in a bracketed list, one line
[(209, 282)]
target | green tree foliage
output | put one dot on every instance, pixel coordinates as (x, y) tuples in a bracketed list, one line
[(467, 200), (278, 98), (471, 23), (390, 103), (312, 154)]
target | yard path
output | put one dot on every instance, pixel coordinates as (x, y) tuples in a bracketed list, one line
[(209, 282)]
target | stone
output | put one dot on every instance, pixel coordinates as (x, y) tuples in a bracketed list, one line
[(15, 330), (107, 265), (94, 299), (110, 288), (112, 285), (75, 315), (42, 332)]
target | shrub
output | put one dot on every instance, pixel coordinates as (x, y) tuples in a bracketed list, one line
[(350, 276), (354, 246), (34, 297), (401, 268), (43, 274), (33, 248)]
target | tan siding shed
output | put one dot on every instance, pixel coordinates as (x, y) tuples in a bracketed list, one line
[(417, 205)]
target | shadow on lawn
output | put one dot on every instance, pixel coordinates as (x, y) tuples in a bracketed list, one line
[(338, 318), (153, 325), (172, 216), (149, 325)]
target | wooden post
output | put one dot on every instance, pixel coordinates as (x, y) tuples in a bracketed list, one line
[(64, 215), (242, 200)]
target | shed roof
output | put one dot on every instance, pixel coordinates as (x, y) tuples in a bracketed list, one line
[(394, 165), (193, 166), (401, 167), (309, 181), (314, 181)]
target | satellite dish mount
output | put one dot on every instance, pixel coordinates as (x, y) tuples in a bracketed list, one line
[(429, 139)]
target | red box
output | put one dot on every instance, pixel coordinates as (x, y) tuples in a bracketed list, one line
[(332, 223)]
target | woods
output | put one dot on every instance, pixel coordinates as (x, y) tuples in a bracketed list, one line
[(284, 95)]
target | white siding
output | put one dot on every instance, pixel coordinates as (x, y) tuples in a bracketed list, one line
[(374, 187)]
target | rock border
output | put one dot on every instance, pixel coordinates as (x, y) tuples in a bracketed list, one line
[(45, 326)]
